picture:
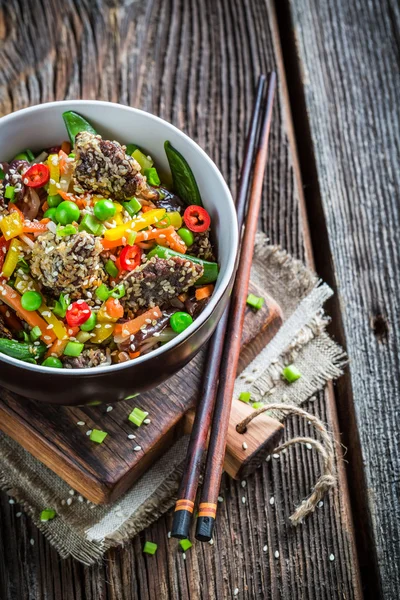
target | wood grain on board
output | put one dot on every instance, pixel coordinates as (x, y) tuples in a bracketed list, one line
[(350, 77), (194, 63), (101, 473)]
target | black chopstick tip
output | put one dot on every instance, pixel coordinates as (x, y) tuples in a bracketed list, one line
[(181, 524), (204, 529)]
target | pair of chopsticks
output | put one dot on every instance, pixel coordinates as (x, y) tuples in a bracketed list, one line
[(223, 352)]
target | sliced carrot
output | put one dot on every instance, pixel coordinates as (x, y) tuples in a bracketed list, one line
[(80, 201), (36, 226), (57, 348), (204, 292), (152, 234), (10, 318), (114, 308), (14, 208), (122, 331), (110, 244), (183, 297), (175, 242), (134, 354), (66, 148), (13, 300), (146, 208), (45, 206)]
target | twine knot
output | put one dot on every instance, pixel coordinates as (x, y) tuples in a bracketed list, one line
[(327, 479)]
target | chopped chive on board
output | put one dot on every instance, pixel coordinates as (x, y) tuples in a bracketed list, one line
[(185, 544), (137, 416), (291, 373), (257, 405), (245, 397), (150, 548), (47, 514), (98, 436), (255, 301)]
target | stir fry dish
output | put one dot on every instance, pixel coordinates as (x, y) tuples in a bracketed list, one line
[(100, 261)]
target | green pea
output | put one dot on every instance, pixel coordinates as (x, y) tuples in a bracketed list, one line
[(90, 323), (67, 212), (31, 300), (180, 321), (51, 214), (52, 361), (54, 201), (186, 235), (104, 209)]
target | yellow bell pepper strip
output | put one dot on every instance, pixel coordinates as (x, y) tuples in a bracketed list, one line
[(12, 258), (102, 331), (54, 167), (13, 300), (146, 220), (122, 331), (23, 285), (12, 225)]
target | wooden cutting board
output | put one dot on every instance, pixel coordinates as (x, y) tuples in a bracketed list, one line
[(102, 472)]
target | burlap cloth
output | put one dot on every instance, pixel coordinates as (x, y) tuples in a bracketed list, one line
[(84, 530)]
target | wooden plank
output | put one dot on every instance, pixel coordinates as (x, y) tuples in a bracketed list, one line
[(102, 473), (348, 67), (195, 63)]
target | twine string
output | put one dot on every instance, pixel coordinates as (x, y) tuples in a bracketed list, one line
[(327, 479)]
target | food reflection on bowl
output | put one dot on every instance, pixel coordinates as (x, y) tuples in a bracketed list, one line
[(116, 282)]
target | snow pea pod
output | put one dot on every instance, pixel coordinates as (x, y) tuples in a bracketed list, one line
[(184, 181), (75, 123)]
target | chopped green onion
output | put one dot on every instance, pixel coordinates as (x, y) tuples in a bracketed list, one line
[(152, 176), (150, 548), (245, 397), (137, 416), (132, 207), (83, 337), (61, 305), (98, 436), (255, 301), (118, 291), (102, 292), (25, 155), (130, 149), (144, 161), (131, 238), (186, 235), (67, 230), (36, 333), (257, 405), (185, 544), (73, 349), (47, 515), (291, 373), (111, 268), (23, 265), (92, 225), (10, 193)]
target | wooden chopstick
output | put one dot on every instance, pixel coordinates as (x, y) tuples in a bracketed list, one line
[(198, 438), (231, 346)]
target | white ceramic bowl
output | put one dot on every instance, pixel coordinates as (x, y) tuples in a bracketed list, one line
[(42, 126)]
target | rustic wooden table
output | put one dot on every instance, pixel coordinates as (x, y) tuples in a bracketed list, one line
[(331, 199)]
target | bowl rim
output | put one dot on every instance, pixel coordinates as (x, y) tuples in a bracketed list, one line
[(226, 278)]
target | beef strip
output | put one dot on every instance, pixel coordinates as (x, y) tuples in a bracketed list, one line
[(195, 307), (102, 166), (158, 280), (91, 357)]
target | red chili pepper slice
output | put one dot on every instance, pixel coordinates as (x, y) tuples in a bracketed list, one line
[(78, 313), (37, 175), (196, 218), (129, 258)]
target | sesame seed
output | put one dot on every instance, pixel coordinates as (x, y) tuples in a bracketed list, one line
[(243, 484), (331, 557), (81, 423), (69, 501), (80, 498), (137, 448), (109, 408), (220, 499), (32, 542), (131, 436), (275, 456), (184, 556), (320, 504), (71, 492), (272, 501), (243, 500), (11, 501), (147, 421), (18, 514), (244, 446), (89, 431), (308, 446), (276, 554), (268, 458), (211, 542), (265, 549), (235, 591)]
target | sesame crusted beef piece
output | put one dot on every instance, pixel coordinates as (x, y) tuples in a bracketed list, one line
[(92, 357), (202, 247), (159, 280), (103, 167), (69, 265), (4, 331)]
